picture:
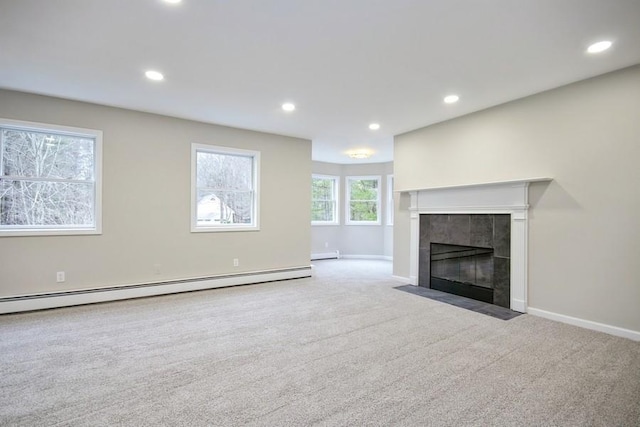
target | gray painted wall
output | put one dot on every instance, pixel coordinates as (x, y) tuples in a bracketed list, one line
[(584, 235), (146, 204)]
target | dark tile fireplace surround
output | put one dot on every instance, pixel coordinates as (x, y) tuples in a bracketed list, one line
[(467, 255)]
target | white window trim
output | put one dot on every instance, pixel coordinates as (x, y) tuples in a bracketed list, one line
[(336, 213), (255, 225), (97, 181), (390, 206), (347, 192)]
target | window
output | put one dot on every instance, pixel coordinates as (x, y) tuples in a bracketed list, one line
[(224, 188), (50, 179), (363, 200), (390, 206), (324, 200)]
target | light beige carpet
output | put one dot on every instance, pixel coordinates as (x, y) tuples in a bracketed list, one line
[(342, 348)]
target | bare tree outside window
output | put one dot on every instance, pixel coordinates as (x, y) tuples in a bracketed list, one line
[(47, 179)]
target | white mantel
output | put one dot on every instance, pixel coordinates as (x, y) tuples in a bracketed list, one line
[(504, 197)]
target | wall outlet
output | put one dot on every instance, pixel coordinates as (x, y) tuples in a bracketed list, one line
[(60, 277), (326, 244), (236, 262)]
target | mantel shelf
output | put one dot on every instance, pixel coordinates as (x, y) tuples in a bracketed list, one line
[(481, 184)]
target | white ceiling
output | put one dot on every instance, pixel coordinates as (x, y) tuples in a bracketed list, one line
[(344, 63)]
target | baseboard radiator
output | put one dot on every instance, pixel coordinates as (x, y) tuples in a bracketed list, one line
[(14, 304), (326, 255)]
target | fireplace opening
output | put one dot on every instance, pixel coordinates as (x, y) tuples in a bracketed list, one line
[(462, 270), (467, 254)]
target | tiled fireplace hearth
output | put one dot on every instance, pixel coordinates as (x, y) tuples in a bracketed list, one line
[(474, 238)]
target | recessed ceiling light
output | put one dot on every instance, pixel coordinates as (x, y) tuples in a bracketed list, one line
[(599, 47), (173, 1), (288, 106), (154, 75), (451, 99), (374, 126)]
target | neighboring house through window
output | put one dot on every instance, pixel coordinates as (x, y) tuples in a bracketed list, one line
[(363, 200), (50, 179), (324, 200), (225, 191)]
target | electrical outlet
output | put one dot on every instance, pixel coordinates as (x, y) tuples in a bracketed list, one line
[(60, 277), (326, 244), (236, 262)]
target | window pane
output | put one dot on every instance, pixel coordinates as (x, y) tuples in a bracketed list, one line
[(31, 154), (322, 189), (224, 171), (322, 211), (363, 211), (224, 207), (364, 189), (38, 203)]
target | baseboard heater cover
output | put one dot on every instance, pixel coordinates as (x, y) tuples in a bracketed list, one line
[(14, 304), (325, 255)]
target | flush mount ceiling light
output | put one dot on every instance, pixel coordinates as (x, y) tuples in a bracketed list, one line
[(172, 1), (154, 75), (359, 154), (599, 47), (288, 106), (451, 99), (374, 126)]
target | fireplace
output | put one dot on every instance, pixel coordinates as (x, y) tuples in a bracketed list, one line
[(467, 255), (506, 200), (462, 270)]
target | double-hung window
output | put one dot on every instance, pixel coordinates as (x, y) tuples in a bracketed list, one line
[(324, 200), (224, 188), (363, 200), (50, 179)]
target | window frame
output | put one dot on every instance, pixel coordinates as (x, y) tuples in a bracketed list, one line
[(347, 183), (60, 230), (390, 203), (217, 149), (336, 199)]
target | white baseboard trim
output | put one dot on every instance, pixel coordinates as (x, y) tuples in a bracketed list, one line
[(401, 279), (325, 255), (588, 324), (379, 257), (31, 302)]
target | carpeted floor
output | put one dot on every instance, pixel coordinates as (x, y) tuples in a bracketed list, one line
[(342, 348)]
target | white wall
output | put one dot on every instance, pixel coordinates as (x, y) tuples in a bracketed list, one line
[(584, 236), (367, 240), (146, 204)]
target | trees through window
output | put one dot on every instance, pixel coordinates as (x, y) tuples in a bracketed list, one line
[(49, 179), (324, 200), (225, 188), (363, 200)]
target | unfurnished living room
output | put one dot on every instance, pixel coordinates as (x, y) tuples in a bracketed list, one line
[(311, 212)]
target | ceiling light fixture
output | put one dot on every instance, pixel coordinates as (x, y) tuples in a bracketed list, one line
[(288, 106), (374, 126), (451, 99), (173, 1), (359, 154), (154, 75), (599, 47)]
